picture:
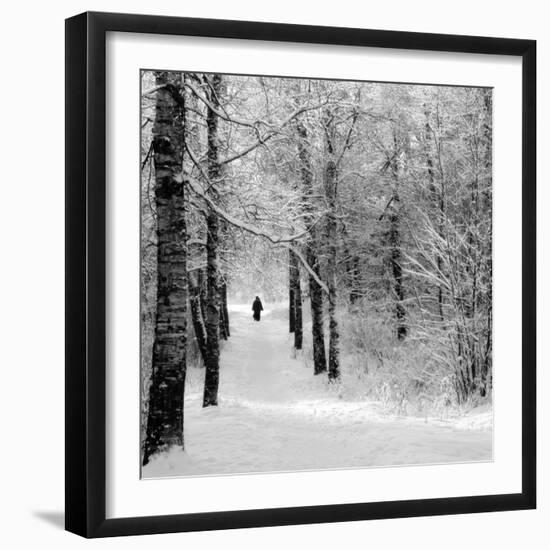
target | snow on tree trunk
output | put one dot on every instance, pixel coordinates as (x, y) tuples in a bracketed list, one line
[(315, 290), (212, 374), (165, 411), (212, 363), (317, 324)]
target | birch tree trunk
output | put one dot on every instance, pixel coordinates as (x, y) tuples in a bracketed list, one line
[(212, 374), (315, 290), (165, 412), (331, 179)]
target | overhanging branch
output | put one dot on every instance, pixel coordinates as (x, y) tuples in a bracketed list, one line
[(197, 189)]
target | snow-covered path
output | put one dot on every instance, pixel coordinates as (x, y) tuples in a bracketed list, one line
[(274, 415)]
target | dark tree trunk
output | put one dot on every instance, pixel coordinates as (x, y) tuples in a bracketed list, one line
[(315, 290), (331, 182), (197, 314), (201, 280), (397, 271), (299, 331), (396, 257), (331, 190), (291, 302), (224, 308), (291, 298), (212, 363), (165, 412), (212, 374), (317, 324), (223, 333), (296, 300)]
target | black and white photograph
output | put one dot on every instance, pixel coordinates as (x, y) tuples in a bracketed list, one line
[(316, 274)]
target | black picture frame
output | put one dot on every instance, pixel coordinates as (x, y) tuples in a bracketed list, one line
[(86, 275)]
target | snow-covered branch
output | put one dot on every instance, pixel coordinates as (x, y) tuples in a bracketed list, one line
[(222, 114), (196, 187), (307, 267), (272, 133)]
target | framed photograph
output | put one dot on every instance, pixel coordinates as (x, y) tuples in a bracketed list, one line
[(300, 279)]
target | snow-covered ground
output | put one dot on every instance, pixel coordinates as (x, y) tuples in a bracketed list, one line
[(274, 415)]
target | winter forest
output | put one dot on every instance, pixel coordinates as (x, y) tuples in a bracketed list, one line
[(360, 214)]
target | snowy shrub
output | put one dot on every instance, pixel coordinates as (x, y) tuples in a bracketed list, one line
[(405, 378)]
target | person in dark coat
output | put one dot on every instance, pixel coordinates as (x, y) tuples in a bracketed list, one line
[(257, 308)]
